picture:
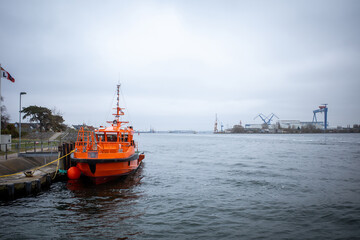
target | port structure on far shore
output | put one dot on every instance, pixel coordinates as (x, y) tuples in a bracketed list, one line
[(215, 125), (322, 109), (216, 130), (266, 119)]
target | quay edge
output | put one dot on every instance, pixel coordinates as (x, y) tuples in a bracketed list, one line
[(19, 185)]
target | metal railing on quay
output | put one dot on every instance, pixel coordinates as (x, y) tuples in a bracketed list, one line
[(7, 149)]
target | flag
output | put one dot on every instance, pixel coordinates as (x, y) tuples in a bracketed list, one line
[(5, 74)]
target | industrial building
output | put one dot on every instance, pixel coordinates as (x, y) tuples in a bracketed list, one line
[(281, 125), (297, 124), (293, 124), (284, 124)]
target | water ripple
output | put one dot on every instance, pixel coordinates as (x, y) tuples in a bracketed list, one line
[(208, 187)]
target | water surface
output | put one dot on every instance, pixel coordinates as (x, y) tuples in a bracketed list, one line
[(208, 187)]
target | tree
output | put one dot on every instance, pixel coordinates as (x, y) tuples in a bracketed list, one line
[(310, 128), (57, 123), (4, 115), (11, 129), (45, 118)]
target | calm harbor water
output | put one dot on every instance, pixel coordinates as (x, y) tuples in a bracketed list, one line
[(208, 187)]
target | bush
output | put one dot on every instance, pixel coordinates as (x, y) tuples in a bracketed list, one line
[(11, 129)]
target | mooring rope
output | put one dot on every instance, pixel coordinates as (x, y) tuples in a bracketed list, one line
[(37, 168)]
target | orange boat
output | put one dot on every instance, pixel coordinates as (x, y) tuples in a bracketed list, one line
[(107, 153)]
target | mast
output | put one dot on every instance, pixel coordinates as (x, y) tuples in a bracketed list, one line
[(119, 111), (117, 103)]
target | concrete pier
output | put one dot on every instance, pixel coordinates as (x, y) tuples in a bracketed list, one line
[(19, 185), (13, 181)]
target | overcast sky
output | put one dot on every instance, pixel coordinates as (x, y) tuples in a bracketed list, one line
[(181, 62)]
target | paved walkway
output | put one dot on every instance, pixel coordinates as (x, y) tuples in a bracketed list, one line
[(26, 161), (55, 136), (9, 156)]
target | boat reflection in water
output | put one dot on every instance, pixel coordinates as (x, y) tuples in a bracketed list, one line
[(83, 187), (106, 206)]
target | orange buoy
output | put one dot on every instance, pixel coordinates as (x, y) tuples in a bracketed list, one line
[(73, 173), (141, 157)]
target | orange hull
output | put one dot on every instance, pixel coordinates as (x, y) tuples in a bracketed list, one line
[(101, 172)]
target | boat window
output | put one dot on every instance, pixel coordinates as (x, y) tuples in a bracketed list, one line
[(100, 137), (123, 137), (111, 137)]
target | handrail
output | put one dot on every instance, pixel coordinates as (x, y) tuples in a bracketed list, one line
[(36, 146)]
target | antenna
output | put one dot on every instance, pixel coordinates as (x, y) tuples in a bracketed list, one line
[(117, 102), (119, 110)]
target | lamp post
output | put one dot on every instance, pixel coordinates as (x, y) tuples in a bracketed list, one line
[(22, 93)]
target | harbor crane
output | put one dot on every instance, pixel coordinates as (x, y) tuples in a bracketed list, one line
[(216, 130), (216, 123), (266, 119), (322, 109)]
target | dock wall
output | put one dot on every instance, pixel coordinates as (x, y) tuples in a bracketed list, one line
[(14, 183)]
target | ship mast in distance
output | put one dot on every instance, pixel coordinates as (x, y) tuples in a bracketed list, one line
[(215, 126)]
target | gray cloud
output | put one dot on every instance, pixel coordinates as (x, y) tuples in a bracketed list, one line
[(181, 62)]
